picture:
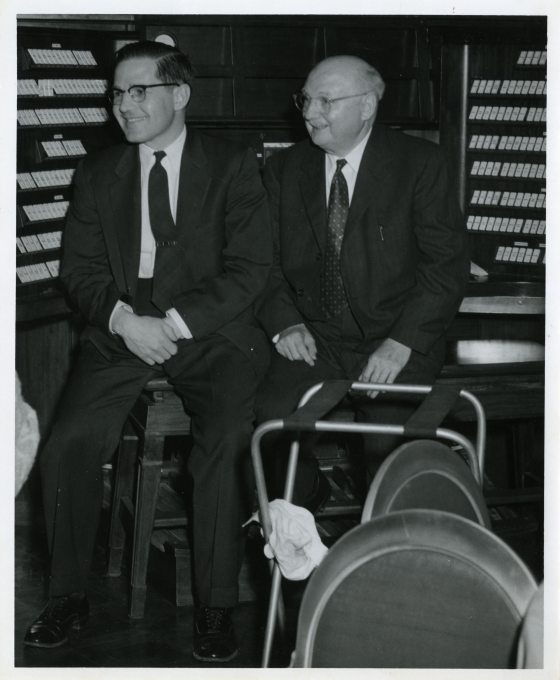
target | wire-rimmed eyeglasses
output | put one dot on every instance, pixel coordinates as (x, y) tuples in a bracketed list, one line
[(137, 92), (303, 101)]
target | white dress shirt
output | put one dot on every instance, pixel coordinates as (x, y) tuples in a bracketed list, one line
[(350, 170), (172, 164)]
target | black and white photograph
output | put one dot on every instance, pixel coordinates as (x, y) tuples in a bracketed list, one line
[(282, 339)]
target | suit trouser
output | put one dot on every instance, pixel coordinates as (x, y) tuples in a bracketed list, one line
[(217, 383), (337, 358)]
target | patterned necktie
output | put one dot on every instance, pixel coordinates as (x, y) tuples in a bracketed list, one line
[(167, 267), (333, 296)]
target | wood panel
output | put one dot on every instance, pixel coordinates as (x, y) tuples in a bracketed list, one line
[(270, 57), (206, 45), (278, 50), (44, 352), (43, 357), (393, 51)]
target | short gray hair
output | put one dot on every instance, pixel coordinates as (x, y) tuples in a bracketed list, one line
[(372, 78)]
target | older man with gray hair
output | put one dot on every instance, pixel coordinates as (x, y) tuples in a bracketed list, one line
[(370, 262)]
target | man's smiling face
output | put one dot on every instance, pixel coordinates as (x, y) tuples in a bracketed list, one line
[(340, 129), (156, 121)]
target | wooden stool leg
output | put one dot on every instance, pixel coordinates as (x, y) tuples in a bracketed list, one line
[(122, 488), (183, 588), (149, 474)]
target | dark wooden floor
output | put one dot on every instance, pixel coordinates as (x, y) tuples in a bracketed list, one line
[(163, 638)]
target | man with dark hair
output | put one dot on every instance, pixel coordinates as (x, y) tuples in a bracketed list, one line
[(166, 246), (370, 262)]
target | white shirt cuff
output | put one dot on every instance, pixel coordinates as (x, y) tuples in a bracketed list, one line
[(182, 326), (117, 306)]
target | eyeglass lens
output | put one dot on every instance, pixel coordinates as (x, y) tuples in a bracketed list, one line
[(137, 94), (302, 101)]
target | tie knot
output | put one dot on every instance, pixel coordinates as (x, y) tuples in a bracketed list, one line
[(340, 164), (160, 155)]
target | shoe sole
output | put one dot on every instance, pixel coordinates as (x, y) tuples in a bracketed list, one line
[(42, 645), (224, 659), (76, 625)]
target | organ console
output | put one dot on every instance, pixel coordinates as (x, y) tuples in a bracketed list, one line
[(477, 86)]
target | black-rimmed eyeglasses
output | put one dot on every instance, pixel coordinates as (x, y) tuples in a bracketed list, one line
[(303, 101), (137, 92)]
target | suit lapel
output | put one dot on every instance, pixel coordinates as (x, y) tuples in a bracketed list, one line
[(312, 184), (124, 194), (371, 177), (194, 183), (125, 207)]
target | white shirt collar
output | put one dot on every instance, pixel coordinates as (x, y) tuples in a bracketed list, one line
[(173, 151), (353, 158)]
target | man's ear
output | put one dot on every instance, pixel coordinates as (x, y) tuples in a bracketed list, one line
[(182, 95), (369, 106)]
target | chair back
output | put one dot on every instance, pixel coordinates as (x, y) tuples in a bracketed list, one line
[(425, 474), (414, 589), (530, 653)]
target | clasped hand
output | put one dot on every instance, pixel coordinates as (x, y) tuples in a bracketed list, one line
[(152, 340)]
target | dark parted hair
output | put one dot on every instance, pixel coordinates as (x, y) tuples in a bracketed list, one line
[(172, 66)]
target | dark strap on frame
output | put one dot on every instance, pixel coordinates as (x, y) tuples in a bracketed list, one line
[(423, 423), (330, 394), (431, 412)]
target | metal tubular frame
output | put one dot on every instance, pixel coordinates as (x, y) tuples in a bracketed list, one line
[(475, 454)]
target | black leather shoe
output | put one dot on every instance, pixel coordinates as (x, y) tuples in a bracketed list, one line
[(214, 637), (321, 493), (58, 618)]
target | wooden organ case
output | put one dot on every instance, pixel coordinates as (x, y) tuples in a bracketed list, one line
[(493, 122)]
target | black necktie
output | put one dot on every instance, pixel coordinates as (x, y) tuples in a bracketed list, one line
[(333, 296), (161, 219), (168, 273)]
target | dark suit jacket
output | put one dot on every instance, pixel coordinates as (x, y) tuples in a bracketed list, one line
[(404, 256), (223, 232)]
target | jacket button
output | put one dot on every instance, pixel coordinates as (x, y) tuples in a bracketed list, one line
[(299, 292)]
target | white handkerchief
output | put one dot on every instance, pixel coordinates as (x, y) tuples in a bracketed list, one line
[(294, 540)]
